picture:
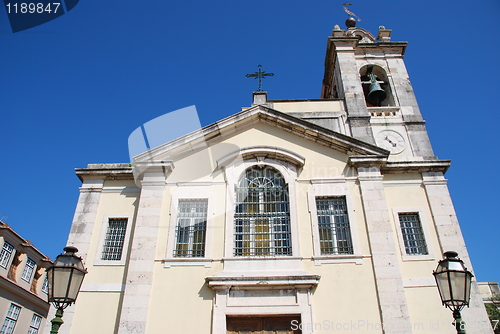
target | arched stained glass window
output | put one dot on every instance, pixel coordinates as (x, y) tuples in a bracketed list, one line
[(262, 214)]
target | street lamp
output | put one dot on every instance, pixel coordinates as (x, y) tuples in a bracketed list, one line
[(65, 277), (453, 282)]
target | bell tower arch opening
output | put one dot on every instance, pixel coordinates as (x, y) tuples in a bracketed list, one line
[(376, 87)]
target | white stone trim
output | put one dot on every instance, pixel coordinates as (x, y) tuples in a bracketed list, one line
[(272, 152), (232, 174), (419, 282), (228, 289), (102, 237), (334, 188), (328, 180), (190, 191), (102, 288), (195, 183), (402, 183), (121, 190), (90, 190), (425, 229), (186, 262), (343, 258)]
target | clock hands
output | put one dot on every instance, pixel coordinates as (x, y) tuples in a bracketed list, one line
[(390, 141)]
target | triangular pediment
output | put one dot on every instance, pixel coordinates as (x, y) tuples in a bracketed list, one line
[(249, 117)]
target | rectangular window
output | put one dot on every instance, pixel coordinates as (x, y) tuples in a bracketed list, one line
[(5, 254), (333, 224), (45, 285), (11, 319), (28, 270), (35, 324), (413, 235), (191, 228), (115, 237)]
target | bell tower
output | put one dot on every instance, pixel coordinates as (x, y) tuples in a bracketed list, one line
[(370, 75)]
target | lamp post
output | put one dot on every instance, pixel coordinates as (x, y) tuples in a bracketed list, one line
[(65, 277), (453, 282)]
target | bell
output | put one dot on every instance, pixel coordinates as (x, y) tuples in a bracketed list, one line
[(375, 93)]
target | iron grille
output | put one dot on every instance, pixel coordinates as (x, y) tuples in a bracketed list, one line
[(191, 228), (115, 237), (262, 214), (413, 234), (333, 224)]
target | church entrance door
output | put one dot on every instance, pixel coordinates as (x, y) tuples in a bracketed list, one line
[(263, 325)]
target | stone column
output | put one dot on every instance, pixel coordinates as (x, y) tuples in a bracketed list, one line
[(450, 238), (138, 284), (79, 236), (85, 214), (389, 282)]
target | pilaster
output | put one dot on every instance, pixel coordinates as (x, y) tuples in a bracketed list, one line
[(350, 88), (81, 233), (85, 214), (134, 312), (389, 282), (450, 238)]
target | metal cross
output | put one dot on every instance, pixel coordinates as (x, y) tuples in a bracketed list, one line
[(260, 75)]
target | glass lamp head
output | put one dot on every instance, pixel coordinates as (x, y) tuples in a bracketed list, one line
[(453, 281), (65, 277)]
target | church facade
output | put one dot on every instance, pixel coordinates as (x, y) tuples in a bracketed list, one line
[(290, 216)]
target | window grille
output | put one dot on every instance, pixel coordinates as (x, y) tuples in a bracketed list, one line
[(5, 254), (115, 237), (28, 270), (262, 214), (45, 285), (333, 224), (35, 324), (10, 320), (191, 228), (413, 234)]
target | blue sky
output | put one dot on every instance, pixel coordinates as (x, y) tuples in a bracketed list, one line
[(73, 89)]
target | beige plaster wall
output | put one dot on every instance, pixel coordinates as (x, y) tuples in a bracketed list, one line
[(181, 302)]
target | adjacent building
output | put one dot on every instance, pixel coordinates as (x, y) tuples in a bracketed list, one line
[(23, 284), (290, 216)]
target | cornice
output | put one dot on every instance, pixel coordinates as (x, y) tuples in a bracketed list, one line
[(399, 46), (26, 295), (416, 166), (368, 161), (262, 282), (120, 171)]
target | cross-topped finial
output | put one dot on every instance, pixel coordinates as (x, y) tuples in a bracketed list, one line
[(260, 75)]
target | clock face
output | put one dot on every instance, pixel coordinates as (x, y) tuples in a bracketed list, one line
[(391, 141)]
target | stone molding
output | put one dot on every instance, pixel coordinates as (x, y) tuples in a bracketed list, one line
[(259, 282), (272, 152)]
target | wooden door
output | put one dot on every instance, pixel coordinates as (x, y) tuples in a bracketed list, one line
[(263, 325)]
